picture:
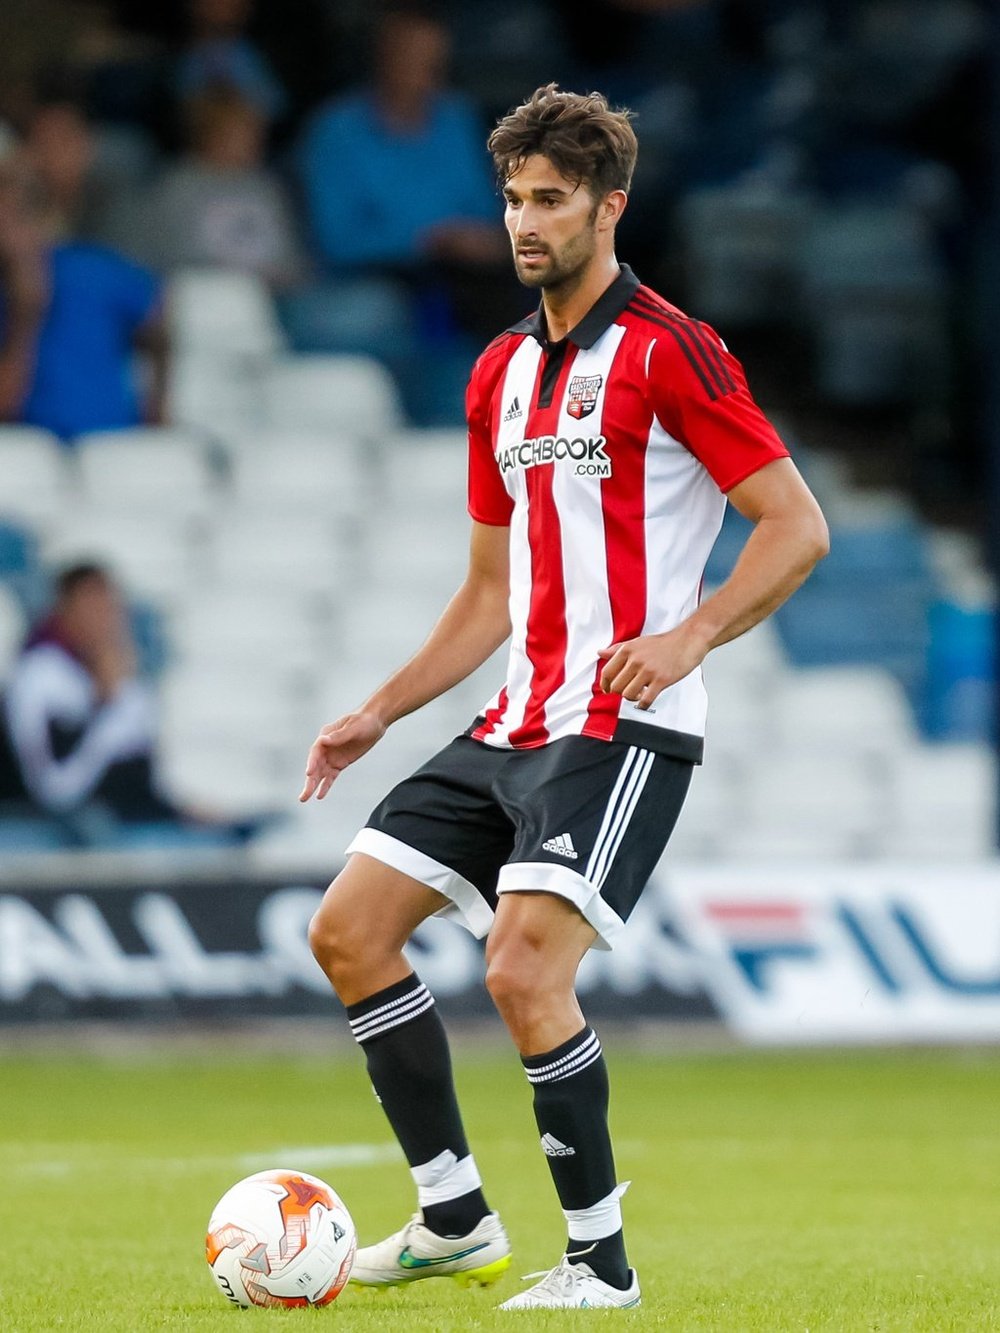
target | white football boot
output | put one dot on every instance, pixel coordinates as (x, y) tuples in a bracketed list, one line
[(574, 1287), (478, 1259)]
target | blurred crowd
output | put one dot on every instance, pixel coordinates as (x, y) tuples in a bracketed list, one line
[(813, 179)]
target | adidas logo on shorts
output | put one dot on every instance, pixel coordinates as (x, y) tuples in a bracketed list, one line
[(551, 1147), (562, 846)]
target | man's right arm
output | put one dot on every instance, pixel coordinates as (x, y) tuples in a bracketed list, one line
[(474, 624), (25, 292)]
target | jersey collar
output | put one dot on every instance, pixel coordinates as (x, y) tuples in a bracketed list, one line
[(598, 319)]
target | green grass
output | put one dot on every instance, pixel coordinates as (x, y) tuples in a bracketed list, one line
[(770, 1192)]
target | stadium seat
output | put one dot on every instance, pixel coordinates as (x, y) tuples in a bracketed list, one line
[(741, 243), (381, 632), (12, 627), (199, 703), (17, 550), (302, 556), (875, 293), (27, 835), (427, 470), (891, 555), (792, 798), (843, 710), (35, 471), (219, 312), (945, 804), (307, 471), (712, 812), (857, 624), (399, 554), (345, 394), (150, 470), (215, 395), (154, 555), (223, 628), (234, 779)]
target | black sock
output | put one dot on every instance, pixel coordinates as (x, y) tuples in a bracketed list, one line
[(571, 1109), (410, 1068)]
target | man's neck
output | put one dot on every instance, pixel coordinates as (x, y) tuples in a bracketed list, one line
[(564, 309)]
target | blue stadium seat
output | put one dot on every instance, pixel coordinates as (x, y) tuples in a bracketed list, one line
[(28, 834), (858, 624), (17, 549), (877, 553)]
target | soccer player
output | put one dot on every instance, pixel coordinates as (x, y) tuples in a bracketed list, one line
[(606, 433)]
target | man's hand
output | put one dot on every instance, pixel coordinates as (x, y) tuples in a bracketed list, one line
[(112, 663), (336, 746), (639, 669)]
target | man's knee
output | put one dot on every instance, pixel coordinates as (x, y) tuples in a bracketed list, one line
[(338, 941), (515, 981), (358, 933), (504, 981)]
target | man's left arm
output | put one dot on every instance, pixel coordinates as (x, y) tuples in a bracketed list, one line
[(789, 538)]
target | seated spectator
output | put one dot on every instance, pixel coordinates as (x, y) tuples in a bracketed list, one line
[(396, 177), (79, 726), (72, 316), (367, 159), (83, 193), (221, 205), (405, 222), (219, 51)]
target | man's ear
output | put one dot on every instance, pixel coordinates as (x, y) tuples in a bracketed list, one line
[(611, 208)]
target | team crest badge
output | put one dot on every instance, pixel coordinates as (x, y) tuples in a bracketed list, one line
[(583, 391)]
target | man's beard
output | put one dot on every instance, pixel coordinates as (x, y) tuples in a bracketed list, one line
[(564, 270)]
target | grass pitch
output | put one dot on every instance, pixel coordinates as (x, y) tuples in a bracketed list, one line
[(770, 1192)]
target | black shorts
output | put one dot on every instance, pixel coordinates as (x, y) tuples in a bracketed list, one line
[(582, 818)]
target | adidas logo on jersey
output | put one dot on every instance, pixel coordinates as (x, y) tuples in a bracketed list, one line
[(562, 846), (551, 1147), (513, 412)]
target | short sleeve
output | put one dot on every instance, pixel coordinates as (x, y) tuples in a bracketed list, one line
[(489, 501), (135, 291), (700, 395)]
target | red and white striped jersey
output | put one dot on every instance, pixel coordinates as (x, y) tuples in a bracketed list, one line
[(609, 455)]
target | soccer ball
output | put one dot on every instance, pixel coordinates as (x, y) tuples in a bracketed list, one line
[(280, 1238)]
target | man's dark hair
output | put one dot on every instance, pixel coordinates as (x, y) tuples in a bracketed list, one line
[(73, 576), (584, 139)]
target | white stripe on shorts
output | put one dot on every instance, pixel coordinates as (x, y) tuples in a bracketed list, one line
[(625, 795)]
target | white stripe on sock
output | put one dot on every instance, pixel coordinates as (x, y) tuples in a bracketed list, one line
[(420, 989), (601, 1219), (581, 1062), (589, 1047), (407, 1003), (395, 1020), (445, 1177)]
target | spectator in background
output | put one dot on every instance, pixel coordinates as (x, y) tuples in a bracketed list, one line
[(367, 157), (221, 205), (220, 52), (411, 274), (60, 147), (72, 314), (79, 726)]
